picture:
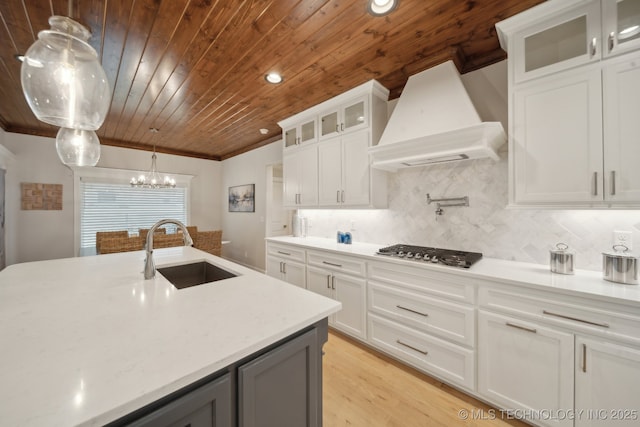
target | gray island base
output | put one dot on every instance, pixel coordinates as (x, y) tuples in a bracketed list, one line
[(280, 385)]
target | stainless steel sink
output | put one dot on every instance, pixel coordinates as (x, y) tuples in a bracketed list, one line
[(193, 274)]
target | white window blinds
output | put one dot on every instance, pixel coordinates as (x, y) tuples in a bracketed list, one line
[(109, 207)]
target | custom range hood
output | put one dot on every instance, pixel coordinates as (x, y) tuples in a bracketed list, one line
[(435, 121)]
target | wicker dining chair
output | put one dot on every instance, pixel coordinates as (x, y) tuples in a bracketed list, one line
[(142, 232), (112, 245), (101, 235), (209, 241), (167, 240)]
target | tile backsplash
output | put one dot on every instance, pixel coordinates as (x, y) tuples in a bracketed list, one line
[(485, 226)]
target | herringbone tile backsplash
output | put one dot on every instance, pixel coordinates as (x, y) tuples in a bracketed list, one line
[(485, 226)]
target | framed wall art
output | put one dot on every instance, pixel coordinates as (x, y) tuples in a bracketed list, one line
[(242, 198)]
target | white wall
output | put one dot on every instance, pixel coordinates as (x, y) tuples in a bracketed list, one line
[(247, 230), (39, 235)]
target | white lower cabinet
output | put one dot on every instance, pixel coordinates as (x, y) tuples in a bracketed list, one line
[(336, 278), (526, 367), (286, 263), (607, 383), (289, 271), (551, 358), (438, 357)]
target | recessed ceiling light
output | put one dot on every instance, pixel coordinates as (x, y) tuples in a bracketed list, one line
[(381, 7), (264, 131), (274, 78)]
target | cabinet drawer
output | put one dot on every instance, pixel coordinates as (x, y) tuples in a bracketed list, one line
[(448, 285), (446, 319), (342, 263), (286, 252), (578, 314), (432, 355)]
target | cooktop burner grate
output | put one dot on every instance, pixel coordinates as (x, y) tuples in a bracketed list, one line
[(448, 257)]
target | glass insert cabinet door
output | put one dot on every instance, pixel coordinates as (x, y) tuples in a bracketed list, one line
[(562, 42), (621, 25), (349, 117), (329, 124), (354, 115), (290, 137), (308, 131)]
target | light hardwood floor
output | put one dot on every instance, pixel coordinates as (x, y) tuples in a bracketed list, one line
[(364, 388)]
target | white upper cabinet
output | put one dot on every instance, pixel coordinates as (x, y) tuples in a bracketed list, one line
[(621, 80), (620, 26), (562, 34), (347, 117), (301, 133), (574, 100), (300, 177), (341, 130), (344, 171), (568, 39), (557, 140)]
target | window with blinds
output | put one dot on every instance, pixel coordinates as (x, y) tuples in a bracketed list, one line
[(109, 207)]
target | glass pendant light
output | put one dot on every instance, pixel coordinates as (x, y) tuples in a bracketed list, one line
[(62, 80), (78, 147)]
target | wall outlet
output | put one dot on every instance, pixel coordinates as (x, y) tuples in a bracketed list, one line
[(623, 238), (353, 226)]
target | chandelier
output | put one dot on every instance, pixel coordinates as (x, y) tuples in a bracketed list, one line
[(65, 86), (152, 179)]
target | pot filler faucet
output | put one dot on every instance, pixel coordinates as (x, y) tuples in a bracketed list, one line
[(149, 266)]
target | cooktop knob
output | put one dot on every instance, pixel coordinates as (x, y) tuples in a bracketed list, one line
[(434, 259)]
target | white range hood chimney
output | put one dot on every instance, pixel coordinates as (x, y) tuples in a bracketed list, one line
[(435, 121)]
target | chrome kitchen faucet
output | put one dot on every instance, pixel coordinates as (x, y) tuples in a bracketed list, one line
[(149, 266)]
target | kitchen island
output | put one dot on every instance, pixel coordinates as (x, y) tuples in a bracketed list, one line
[(86, 341)]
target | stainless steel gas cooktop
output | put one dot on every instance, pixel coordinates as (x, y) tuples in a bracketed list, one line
[(431, 255)]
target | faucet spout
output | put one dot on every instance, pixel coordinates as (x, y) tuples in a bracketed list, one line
[(149, 265)]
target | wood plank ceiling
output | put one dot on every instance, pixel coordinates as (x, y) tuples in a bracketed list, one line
[(194, 69)]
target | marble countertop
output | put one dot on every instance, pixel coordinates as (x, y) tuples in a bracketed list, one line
[(585, 283), (88, 340)]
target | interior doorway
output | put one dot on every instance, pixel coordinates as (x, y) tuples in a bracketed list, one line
[(278, 219)]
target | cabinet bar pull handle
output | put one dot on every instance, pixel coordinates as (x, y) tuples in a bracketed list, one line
[(328, 281), (337, 128), (412, 347), (612, 39), (584, 358), (613, 183), (595, 183), (330, 263), (333, 282), (280, 266), (338, 196), (284, 267), (342, 124), (604, 325), (284, 253), (594, 42), (412, 311), (521, 327), (342, 197)]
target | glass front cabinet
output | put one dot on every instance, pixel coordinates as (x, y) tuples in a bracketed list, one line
[(301, 133), (345, 118), (578, 33)]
